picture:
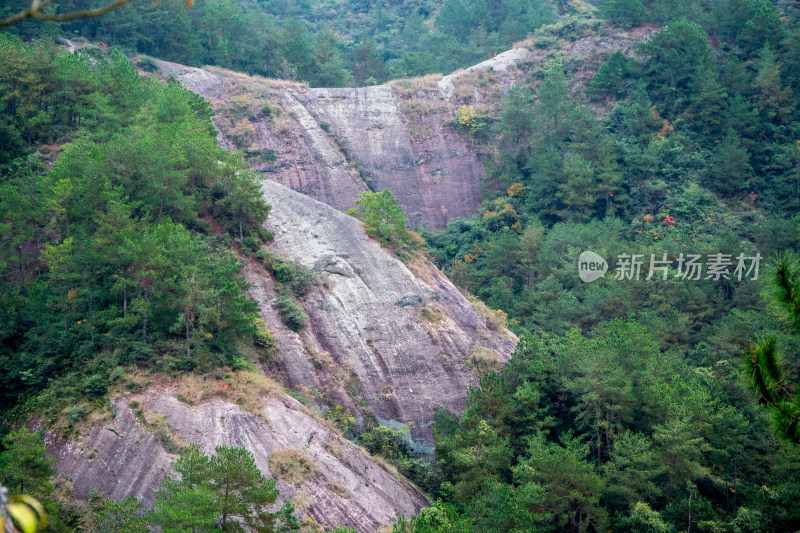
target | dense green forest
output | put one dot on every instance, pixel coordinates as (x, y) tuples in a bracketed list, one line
[(624, 408), (108, 257), (626, 400), (328, 44)]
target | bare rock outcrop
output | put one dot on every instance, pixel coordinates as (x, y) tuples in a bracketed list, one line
[(345, 486), (435, 178), (331, 144), (502, 62), (404, 332)]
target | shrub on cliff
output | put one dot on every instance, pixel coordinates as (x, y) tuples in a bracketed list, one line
[(291, 313), (382, 217)]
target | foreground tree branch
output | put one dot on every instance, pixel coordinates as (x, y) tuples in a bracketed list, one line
[(763, 364), (35, 12)]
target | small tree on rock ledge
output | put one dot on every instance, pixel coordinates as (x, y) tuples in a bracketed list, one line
[(382, 217)]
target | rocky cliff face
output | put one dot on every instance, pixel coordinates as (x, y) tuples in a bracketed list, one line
[(345, 486), (400, 337), (331, 144), (435, 178)]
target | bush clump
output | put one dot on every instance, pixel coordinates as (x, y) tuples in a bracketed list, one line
[(296, 277), (147, 64), (291, 313), (385, 441), (382, 217)]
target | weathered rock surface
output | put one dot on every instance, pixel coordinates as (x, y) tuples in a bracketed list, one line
[(502, 62), (331, 144), (122, 458), (405, 335), (434, 179)]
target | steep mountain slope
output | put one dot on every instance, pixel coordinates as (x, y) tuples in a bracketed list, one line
[(380, 335), (333, 143), (386, 339), (344, 486), (402, 334)]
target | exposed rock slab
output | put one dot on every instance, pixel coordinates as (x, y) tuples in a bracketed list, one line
[(122, 459), (500, 63), (367, 315), (435, 179), (331, 144)]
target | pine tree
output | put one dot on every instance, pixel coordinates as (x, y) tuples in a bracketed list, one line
[(578, 192), (240, 488), (763, 365), (772, 99), (25, 468), (554, 99), (368, 64), (186, 502), (382, 216), (624, 13), (123, 517), (218, 493), (730, 168), (610, 77), (680, 57), (570, 482)]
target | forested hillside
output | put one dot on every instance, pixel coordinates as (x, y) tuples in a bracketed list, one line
[(691, 147), (327, 44), (662, 399), (108, 255)]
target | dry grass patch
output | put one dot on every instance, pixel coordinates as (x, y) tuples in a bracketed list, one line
[(338, 489), (335, 449), (77, 420), (482, 360), (309, 525), (421, 267), (243, 388), (242, 100), (464, 84), (301, 501), (415, 108), (420, 132), (156, 424), (431, 313), (408, 86), (293, 466), (247, 78), (495, 318), (387, 466), (321, 358), (344, 376), (280, 124)]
